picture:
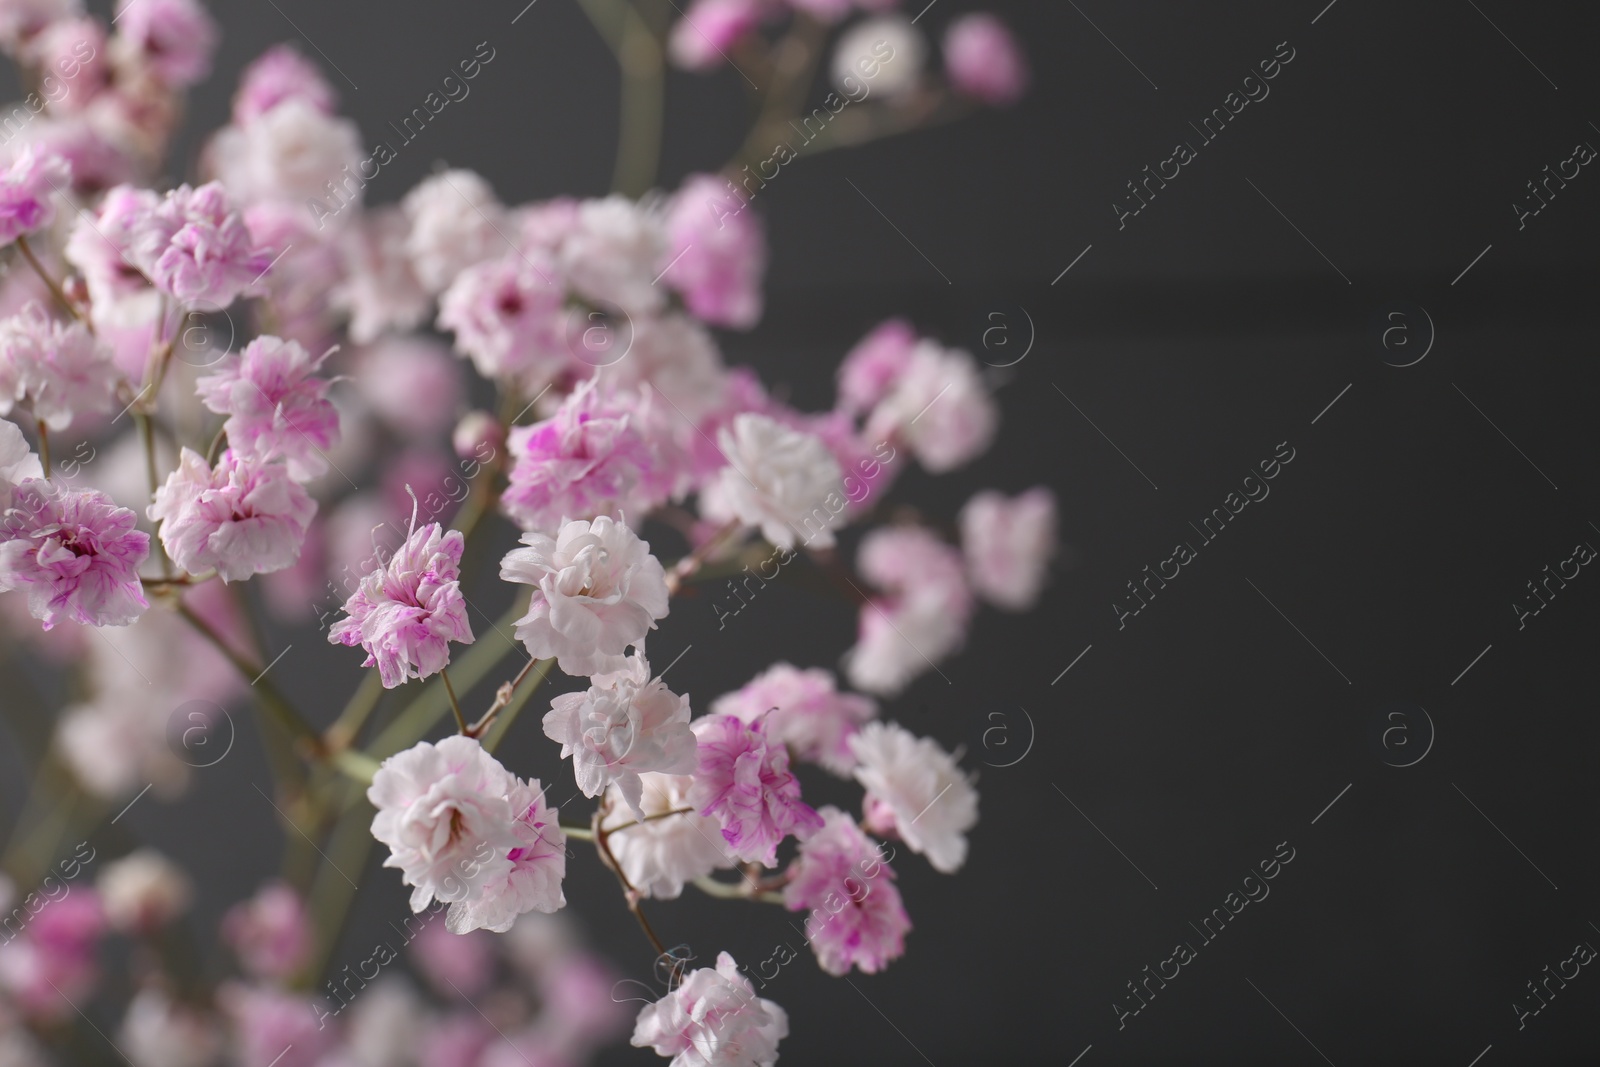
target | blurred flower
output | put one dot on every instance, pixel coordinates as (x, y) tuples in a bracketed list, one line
[(271, 932), (143, 891), (984, 60), (1008, 545), (916, 791)]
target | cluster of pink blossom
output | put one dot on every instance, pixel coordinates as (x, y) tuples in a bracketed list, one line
[(220, 451)]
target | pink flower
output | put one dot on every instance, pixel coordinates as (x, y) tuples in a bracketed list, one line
[(538, 864), (76, 553), (444, 812), (25, 193), (916, 790), (804, 711), (161, 1029), (1008, 545), (57, 368), (280, 73), (271, 932), (716, 253), (871, 368), (273, 1028), (597, 591), (52, 962), (176, 37), (456, 222), (709, 30), (507, 315), (589, 459), (241, 519), (407, 611), (627, 723), (744, 782), (74, 49), (984, 60), (660, 855), (292, 153), (412, 382), (380, 290), (783, 480), (104, 247), (464, 961), (940, 407), (275, 404), (196, 247), (17, 463), (922, 618), (21, 19), (613, 255), (713, 1019), (857, 918)]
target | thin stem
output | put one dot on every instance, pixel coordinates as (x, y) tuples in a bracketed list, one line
[(731, 891), (650, 818), (643, 107), (455, 705), (579, 833), (50, 283), (216, 446), (502, 698), (629, 893), (685, 568), (496, 733), (44, 448), (356, 711)]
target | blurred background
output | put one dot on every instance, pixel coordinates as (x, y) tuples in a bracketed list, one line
[(1341, 274)]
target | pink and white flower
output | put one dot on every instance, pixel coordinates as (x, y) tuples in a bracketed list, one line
[(408, 610), (803, 710), (921, 617), (1008, 545), (26, 189), (662, 854), (76, 553), (538, 864), (58, 369), (713, 1019), (915, 790), (939, 407), (276, 406), (271, 932), (241, 519), (984, 60), (143, 891), (456, 222), (507, 315), (612, 256), (196, 248), (872, 367), (710, 29), (597, 590), (380, 290), (278, 75), (716, 253), (783, 480), (175, 37), (588, 459), (104, 247), (627, 723), (291, 152), (744, 782), (857, 918), (17, 463)]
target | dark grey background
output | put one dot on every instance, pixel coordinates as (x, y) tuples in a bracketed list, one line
[(1216, 724)]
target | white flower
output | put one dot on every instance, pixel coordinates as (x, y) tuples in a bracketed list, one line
[(625, 724), (1008, 545), (597, 590), (804, 710), (940, 407), (915, 789), (444, 813), (713, 1019), (161, 1032), (455, 222), (17, 462), (538, 864), (290, 153), (782, 480), (659, 856), (888, 45), (612, 255), (143, 891), (921, 619)]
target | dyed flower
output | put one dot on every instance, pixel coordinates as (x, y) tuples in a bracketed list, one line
[(891, 45), (984, 60), (77, 45), (51, 963), (443, 959), (920, 619), (804, 711), (275, 1028), (660, 855), (280, 74), (716, 253), (25, 193), (709, 30), (597, 590), (444, 811), (58, 369), (538, 864), (744, 782), (713, 1019), (613, 254), (296, 151), (589, 459), (782, 480), (17, 463), (872, 367), (195, 246), (857, 918), (104, 247), (143, 891), (76, 553), (380, 290), (507, 315), (940, 407), (158, 1029), (175, 37), (276, 406), (455, 224), (241, 519), (627, 723), (1008, 545), (22, 19), (916, 790), (271, 932), (408, 610)]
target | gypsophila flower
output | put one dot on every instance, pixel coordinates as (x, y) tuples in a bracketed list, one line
[(104, 246), (507, 315), (857, 917), (984, 61), (659, 855), (196, 248), (716, 253), (804, 710), (58, 369), (921, 617), (176, 37), (76, 553), (713, 1019), (612, 256), (1008, 545), (143, 891), (26, 189), (278, 75), (295, 151), (916, 790), (456, 222), (625, 724), (597, 590), (17, 463), (271, 932), (705, 34), (783, 480), (244, 518), (408, 610), (744, 782), (940, 407), (871, 368), (538, 864), (276, 406)]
